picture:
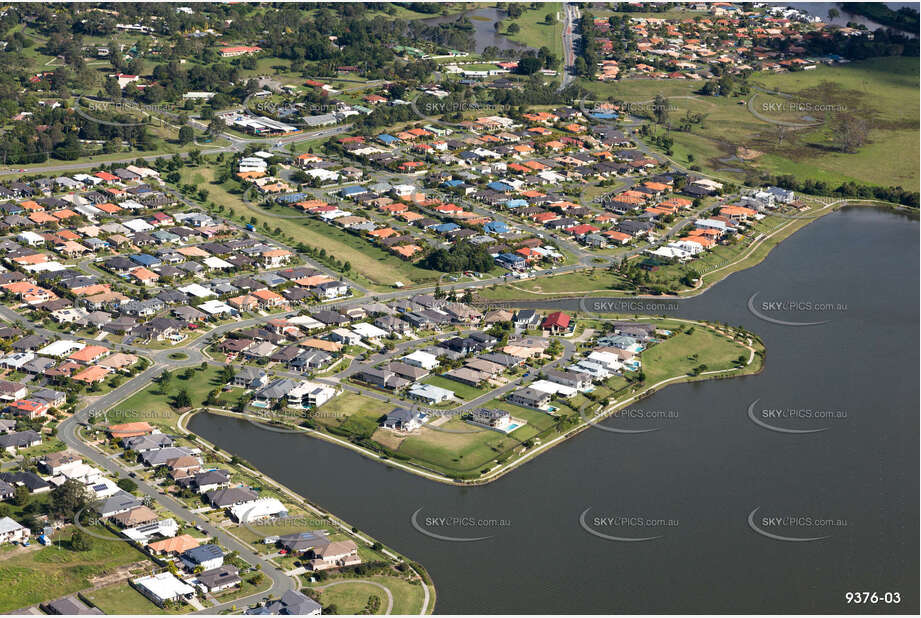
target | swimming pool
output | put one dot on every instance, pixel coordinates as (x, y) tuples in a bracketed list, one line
[(512, 427)]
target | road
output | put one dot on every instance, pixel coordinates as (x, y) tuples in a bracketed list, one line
[(570, 42), (68, 433)]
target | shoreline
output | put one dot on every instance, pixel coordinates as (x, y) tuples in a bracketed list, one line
[(425, 579), (697, 291), (502, 469)]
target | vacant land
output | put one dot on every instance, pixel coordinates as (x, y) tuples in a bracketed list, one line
[(50, 572), (121, 599), (882, 90), (684, 351), (350, 598), (535, 32), (154, 403)]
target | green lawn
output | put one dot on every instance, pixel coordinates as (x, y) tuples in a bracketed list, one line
[(535, 33), (55, 571), (881, 90), (674, 356), (151, 404), (461, 390), (123, 599), (456, 453), (370, 264), (351, 598)]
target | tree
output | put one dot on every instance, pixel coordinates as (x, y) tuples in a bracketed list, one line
[(850, 131), (529, 65), (21, 496), (80, 541), (127, 485), (549, 18), (514, 28), (833, 13), (68, 499), (182, 399), (186, 135)]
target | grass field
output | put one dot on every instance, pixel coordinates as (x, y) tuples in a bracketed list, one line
[(461, 390), (675, 356), (536, 33), (123, 599), (152, 405), (882, 90), (54, 571), (599, 280), (351, 598), (371, 265)]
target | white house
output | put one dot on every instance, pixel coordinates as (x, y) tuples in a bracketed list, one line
[(258, 509), (430, 394), (12, 532), (163, 587), (309, 394), (421, 359)]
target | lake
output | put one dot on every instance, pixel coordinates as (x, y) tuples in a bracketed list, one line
[(692, 485)]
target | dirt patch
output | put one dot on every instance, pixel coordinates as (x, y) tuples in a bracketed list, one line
[(117, 575), (389, 439), (747, 154)]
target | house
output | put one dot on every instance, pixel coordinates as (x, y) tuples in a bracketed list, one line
[(291, 603), (174, 545), (302, 541), (275, 390), (70, 606), (258, 509), (12, 532), (208, 481), (423, 360), (223, 498), (309, 395), (221, 578), (333, 554), (137, 516), (250, 377), (163, 587), (529, 398), (207, 557), (31, 481), (556, 322), (571, 379), (526, 318), (430, 394), (401, 419), (491, 417), (12, 442), (120, 502), (10, 391)]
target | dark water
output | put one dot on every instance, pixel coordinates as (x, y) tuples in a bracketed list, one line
[(820, 9), (484, 28), (705, 470)]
